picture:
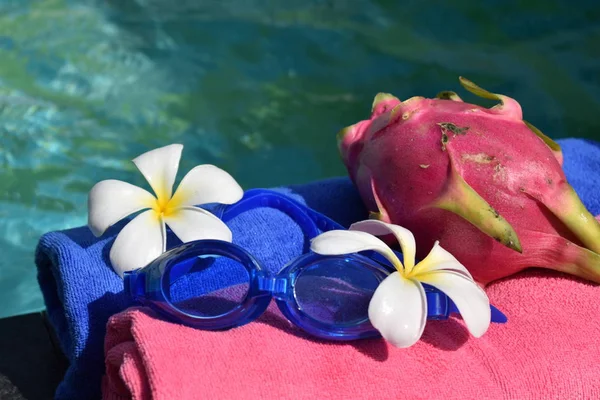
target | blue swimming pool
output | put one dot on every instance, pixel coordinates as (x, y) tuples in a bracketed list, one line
[(257, 87)]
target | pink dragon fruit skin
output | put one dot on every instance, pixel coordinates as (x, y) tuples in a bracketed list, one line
[(486, 184)]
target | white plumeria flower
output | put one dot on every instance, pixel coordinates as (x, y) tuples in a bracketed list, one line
[(398, 308), (144, 238)]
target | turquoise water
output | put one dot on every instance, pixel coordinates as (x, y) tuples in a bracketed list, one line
[(257, 87)]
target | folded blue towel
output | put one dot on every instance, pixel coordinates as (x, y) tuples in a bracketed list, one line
[(81, 291)]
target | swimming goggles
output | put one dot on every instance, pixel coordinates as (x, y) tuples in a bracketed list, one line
[(217, 285)]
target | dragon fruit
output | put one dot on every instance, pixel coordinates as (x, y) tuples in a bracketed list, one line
[(485, 183)]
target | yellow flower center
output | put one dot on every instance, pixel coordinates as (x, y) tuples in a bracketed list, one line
[(407, 275), (165, 206)]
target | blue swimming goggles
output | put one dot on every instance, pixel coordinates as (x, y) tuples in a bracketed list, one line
[(216, 285)]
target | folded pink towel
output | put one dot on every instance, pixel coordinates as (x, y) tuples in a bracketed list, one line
[(550, 348)]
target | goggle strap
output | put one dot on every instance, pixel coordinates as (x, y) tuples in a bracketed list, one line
[(310, 221)]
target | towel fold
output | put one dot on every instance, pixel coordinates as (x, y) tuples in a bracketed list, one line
[(81, 292), (549, 350)]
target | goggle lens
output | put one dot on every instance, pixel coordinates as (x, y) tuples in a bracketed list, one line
[(336, 291), (206, 286)]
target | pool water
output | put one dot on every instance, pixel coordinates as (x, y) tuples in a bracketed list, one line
[(257, 87)]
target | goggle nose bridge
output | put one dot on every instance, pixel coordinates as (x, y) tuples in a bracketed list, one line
[(276, 286)]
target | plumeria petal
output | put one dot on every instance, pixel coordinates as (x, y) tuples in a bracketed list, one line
[(398, 310), (403, 235), (110, 201), (192, 223), (345, 242), (159, 167), (141, 241), (470, 299), (207, 184), (440, 259)]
